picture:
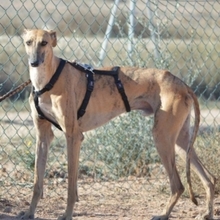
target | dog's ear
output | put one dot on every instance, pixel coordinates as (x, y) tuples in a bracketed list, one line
[(24, 33), (53, 36)]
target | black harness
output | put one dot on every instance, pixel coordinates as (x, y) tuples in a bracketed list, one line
[(90, 86)]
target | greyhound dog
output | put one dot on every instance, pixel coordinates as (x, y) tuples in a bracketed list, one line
[(59, 98)]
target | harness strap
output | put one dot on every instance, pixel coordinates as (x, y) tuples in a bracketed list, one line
[(47, 88), (121, 90), (90, 85), (88, 69), (53, 80), (41, 114)]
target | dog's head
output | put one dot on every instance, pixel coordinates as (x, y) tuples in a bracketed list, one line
[(38, 45)]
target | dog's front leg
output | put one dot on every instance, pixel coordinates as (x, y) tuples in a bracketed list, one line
[(44, 136), (73, 150)]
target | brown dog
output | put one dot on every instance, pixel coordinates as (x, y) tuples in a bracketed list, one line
[(153, 91)]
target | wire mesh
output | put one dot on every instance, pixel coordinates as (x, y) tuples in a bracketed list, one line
[(182, 36)]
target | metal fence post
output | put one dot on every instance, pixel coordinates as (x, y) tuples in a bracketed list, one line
[(108, 32)]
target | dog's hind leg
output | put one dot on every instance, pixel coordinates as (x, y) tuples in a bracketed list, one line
[(44, 137), (165, 132), (205, 176)]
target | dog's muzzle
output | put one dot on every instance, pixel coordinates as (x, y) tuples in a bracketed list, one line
[(35, 63), (36, 60)]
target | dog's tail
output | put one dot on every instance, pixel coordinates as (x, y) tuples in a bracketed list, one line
[(17, 89), (190, 146)]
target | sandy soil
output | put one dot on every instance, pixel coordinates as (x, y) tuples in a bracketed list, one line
[(133, 199)]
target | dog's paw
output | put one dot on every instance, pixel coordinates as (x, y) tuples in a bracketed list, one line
[(64, 217), (25, 215), (161, 217)]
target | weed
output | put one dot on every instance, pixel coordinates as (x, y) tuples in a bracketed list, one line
[(124, 145)]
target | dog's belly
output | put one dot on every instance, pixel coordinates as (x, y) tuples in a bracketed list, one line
[(91, 122), (96, 119)]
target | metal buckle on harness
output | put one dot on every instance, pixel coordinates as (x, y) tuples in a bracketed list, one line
[(119, 85), (90, 86), (90, 71), (87, 67)]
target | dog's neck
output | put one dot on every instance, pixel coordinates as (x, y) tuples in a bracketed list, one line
[(42, 74)]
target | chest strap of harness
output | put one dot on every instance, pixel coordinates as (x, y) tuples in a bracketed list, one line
[(48, 87)]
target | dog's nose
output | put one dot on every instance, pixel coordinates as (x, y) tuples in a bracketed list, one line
[(35, 64)]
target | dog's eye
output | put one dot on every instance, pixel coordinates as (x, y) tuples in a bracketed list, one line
[(29, 42), (43, 43)]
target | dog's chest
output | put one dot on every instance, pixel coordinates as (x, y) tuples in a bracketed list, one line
[(46, 107), (38, 79)]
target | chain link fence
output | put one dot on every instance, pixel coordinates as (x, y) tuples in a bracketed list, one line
[(118, 159)]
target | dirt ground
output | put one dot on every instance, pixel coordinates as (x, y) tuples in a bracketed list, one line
[(130, 199)]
